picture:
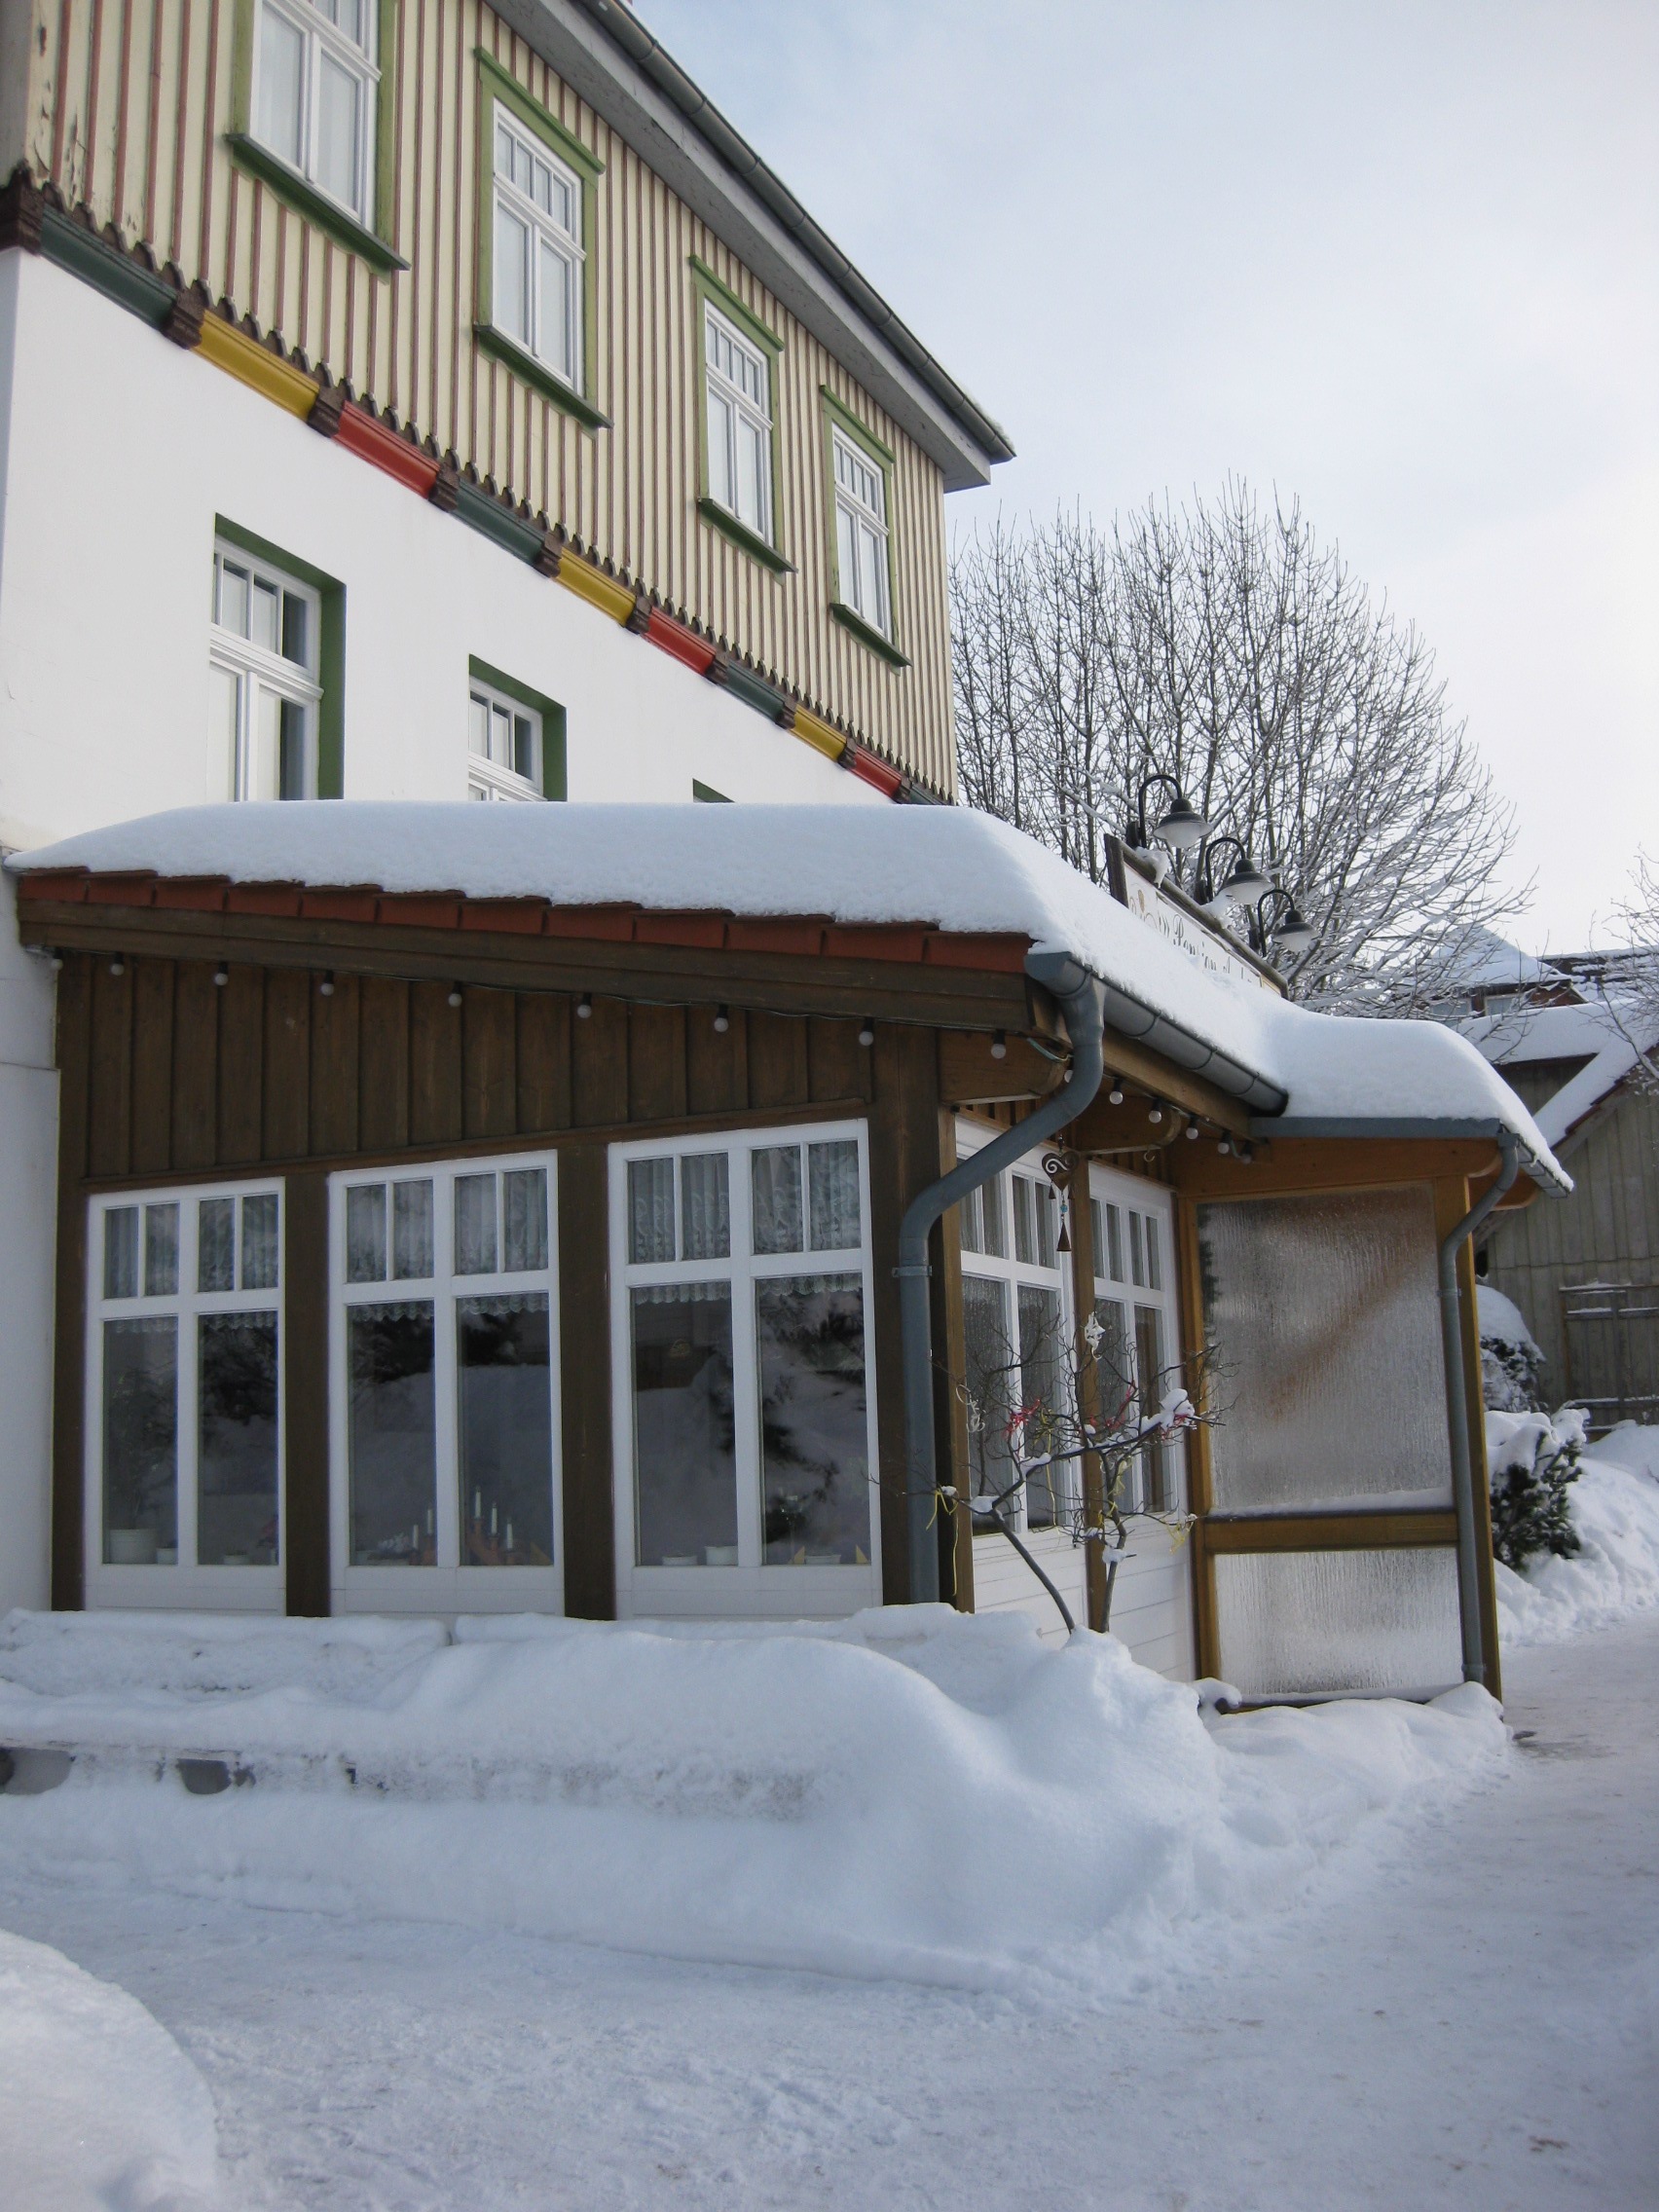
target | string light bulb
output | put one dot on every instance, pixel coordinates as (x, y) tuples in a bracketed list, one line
[(584, 1007)]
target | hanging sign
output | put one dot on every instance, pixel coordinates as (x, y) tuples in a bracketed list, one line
[(1180, 924)]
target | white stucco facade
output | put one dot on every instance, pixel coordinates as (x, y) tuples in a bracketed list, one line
[(118, 452)]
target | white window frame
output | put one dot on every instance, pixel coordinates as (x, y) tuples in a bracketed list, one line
[(360, 62), (1145, 1280), (179, 1583), (861, 520), (1014, 1275), (545, 229), (447, 1587), (255, 670), (488, 778), (752, 1589), (721, 390)]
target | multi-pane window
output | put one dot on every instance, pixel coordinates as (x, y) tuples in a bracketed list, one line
[(743, 1273), (313, 93), (263, 680), (1134, 1305), (738, 383), (1014, 1316), (503, 741), (860, 533), (185, 1372), (536, 293), (446, 1366)]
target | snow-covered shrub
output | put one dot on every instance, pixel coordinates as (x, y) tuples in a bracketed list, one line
[(1512, 1367), (1534, 1456)]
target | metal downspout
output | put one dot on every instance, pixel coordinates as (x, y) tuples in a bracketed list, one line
[(1458, 1407), (1080, 1002)]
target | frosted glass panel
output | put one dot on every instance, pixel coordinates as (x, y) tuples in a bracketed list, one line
[(1292, 1622), (1323, 1321)]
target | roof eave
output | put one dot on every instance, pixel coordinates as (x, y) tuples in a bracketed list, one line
[(608, 57)]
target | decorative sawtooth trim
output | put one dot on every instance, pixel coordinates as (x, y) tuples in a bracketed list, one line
[(521, 918), (676, 639), (242, 356), (274, 901), (590, 582), (373, 439), (192, 894), (743, 682), (864, 765), (32, 217), (813, 730), (700, 929)]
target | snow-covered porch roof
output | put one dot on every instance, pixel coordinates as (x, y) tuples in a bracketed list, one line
[(947, 871)]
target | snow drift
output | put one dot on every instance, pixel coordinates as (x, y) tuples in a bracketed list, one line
[(1614, 1508), (99, 2109), (912, 1793)]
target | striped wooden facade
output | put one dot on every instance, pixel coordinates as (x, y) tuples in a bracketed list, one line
[(128, 103), (1607, 1232)]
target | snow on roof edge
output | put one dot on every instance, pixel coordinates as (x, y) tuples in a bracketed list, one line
[(958, 869)]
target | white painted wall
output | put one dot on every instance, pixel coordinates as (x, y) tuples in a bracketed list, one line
[(125, 451), (117, 453)]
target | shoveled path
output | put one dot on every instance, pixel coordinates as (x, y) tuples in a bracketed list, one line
[(1478, 2027)]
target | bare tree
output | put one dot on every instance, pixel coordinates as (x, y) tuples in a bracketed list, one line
[(1225, 647), (1625, 981)]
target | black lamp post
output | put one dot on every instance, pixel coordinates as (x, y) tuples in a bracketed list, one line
[(1181, 827), (1275, 922), (1244, 884)]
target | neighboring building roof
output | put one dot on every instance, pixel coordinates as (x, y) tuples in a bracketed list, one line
[(947, 869), (605, 54), (1517, 1036), (1491, 963)]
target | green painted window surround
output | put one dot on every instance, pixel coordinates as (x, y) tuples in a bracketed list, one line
[(836, 415), (374, 246), (706, 286), (331, 650), (497, 84), (552, 720)]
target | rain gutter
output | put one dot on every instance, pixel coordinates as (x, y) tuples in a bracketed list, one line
[(1080, 995), (1130, 1018)]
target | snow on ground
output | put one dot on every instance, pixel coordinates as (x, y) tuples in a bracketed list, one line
[(1615, 1505), (913, 1793), (1461, 2020), (99, 2109)]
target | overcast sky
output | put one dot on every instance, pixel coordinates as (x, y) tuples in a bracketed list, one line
[(1399, 258)]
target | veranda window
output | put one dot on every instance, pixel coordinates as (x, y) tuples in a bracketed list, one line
[(1015, 1312), (1135, 1306), (445, 1397), (745, 1413), (536, 300), (313, 93), (738, 383), (184, 1359), (263, 685)]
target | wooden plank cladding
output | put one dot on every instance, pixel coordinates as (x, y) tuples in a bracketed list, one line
[(128, 114), (171, 1072)]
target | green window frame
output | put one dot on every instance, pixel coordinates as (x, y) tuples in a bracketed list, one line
[(553, 781), (708, 290), (373, 244), (836, 415), (497, 84), (331, 649)]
